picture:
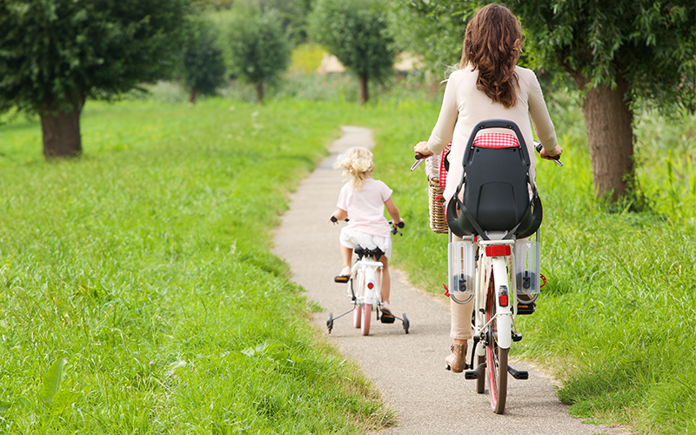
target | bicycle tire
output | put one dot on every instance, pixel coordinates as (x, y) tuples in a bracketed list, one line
[(366, 317), (496, 358)]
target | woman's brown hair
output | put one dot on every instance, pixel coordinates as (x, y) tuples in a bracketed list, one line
[(492, 44)]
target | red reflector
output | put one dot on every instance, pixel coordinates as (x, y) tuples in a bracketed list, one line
[(498, 250), (370, 285), (503, 300)]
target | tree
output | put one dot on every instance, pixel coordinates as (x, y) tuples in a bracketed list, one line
[(258, 48), (355, 31), (204, 66), (293, 17), (618, 53), (54, 54)]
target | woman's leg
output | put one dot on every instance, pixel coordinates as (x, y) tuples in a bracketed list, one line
[(461, 321), (460, 331)]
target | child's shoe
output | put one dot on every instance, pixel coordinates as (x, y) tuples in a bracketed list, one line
[(387, 316)]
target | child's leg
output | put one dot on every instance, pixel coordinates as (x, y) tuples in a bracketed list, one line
[(346, 256), (386, 281)]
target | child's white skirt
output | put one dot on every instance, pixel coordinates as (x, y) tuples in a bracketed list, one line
[(351, 238)]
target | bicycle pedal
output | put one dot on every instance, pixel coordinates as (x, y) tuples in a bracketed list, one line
[(341, 279), (518, 374), (387, 318), (525, 308)]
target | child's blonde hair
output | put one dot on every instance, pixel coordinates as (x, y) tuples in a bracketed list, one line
[(357, 164)]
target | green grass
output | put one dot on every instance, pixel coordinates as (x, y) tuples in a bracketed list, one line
[(145, 265)]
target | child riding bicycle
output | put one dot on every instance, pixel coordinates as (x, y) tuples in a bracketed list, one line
[(362, 201)]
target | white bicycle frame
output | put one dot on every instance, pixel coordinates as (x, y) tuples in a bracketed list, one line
[(501, 268), (367, 272)]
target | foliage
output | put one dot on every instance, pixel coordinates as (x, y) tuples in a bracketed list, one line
[(306, 58), (355, 32), (258, 48), (648, 43), (434, 29), (204, 65), (137, 291), (293, 15), (56, 53)]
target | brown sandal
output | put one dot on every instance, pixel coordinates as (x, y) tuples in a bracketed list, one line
[(456, 362)]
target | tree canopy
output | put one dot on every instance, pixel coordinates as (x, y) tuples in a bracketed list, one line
[(355, 31), (203, 63), (258, 48)]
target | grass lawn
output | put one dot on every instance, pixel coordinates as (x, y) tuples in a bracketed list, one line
[(137, 291), (140, 275)]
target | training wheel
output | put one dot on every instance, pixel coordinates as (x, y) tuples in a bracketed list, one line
[(406, 323)]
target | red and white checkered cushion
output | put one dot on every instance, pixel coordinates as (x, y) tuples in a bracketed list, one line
[(496, 140)]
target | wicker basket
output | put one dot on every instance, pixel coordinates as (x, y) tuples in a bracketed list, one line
[(438, 220)]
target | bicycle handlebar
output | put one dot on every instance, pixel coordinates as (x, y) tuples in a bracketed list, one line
[(395, 228), (556, 159)]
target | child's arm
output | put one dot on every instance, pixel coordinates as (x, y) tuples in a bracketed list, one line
[(340, 214), (393, 211)]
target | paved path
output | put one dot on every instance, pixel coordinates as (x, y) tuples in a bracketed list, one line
[(407, 369)]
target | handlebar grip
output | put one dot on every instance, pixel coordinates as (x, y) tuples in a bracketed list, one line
[(401, 224), (556, 159), (420, 156), (333, 219)]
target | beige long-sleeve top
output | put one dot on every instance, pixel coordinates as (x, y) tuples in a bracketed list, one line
[(464, 106)]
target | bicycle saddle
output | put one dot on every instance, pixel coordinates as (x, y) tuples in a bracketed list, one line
[(364, 252), (496, 185)]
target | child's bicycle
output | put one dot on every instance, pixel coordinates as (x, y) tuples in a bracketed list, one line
[(365, 290), (495, 263)]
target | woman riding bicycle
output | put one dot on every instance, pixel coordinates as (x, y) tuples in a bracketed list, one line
[(488, 85)]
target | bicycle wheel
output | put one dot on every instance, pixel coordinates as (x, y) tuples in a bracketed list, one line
[(366, 317), (496, 358), (357, 316)]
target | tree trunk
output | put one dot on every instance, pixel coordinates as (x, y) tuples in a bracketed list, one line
[(259, 93), (61, 133), (362, 90), (609, 124), (192, 95)]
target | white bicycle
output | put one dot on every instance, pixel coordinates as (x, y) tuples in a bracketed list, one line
[(365, 290), (495, 263)]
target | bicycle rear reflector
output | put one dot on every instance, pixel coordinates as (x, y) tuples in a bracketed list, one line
[(498, 250), (503, 298), (370, 285)]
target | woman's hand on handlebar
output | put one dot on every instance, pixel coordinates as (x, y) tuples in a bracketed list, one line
[(552, 155), (421, 150)]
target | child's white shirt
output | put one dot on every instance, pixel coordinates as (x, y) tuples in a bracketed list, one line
[(365, 207)]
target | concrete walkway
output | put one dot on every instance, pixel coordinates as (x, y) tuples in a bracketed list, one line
[(407, 369)]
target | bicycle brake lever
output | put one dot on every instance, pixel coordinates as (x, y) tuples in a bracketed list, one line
[(415, 165)]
